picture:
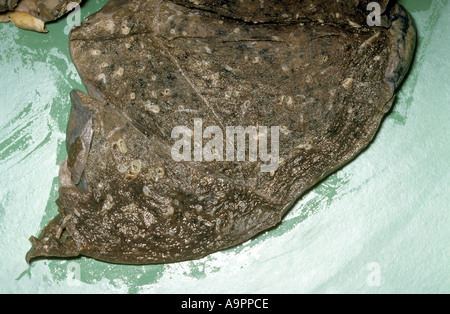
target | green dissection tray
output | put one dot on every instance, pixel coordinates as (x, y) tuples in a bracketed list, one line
[(380, 225)]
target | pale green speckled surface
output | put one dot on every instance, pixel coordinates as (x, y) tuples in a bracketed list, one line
[(380, 225)]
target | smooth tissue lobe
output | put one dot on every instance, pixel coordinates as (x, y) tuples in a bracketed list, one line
[(33, 14), (315, 69)]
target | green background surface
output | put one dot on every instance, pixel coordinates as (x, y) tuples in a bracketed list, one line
[(380, 225)]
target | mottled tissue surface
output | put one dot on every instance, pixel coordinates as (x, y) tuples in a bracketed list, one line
[(378, 225)]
